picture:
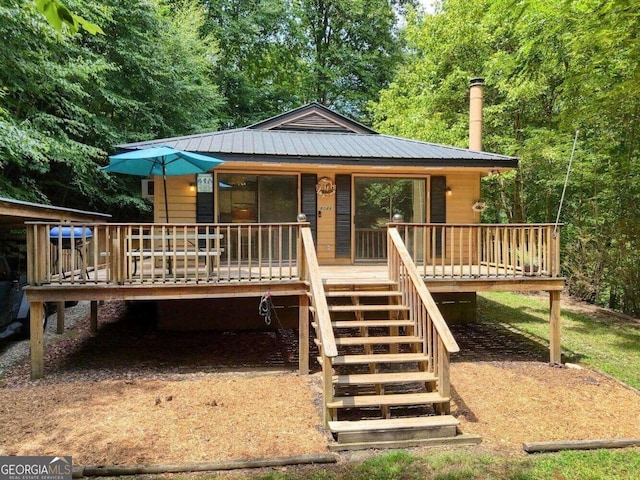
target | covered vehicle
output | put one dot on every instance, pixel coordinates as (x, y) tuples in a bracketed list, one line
[(14, 307)]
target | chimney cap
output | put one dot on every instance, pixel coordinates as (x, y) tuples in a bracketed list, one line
[(476, 81)]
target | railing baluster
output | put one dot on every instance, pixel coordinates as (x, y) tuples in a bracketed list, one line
[(250, 250), (280, 249), (539, 259)]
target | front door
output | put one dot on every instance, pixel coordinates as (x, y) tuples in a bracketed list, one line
[(376, 201)]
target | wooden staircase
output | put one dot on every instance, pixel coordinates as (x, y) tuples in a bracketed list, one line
[(384, 350), (384, 393)]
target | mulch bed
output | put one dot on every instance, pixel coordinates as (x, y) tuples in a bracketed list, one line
[(509, 403), (158, 421), (133, 395)]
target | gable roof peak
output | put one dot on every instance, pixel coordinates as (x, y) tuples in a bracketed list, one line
[(312, 117)]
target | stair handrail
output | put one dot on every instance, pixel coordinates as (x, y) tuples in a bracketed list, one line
[(429, 325), (311, 274), (421, 289)]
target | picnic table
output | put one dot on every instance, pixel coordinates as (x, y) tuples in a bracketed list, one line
[(173, 247)]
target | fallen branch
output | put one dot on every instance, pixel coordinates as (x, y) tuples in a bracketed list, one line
[(534, 447), (113, 470)]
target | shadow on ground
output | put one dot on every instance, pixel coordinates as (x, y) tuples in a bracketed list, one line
[(128, 344), (488, 342)]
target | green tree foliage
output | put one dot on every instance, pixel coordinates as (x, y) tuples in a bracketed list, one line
[(68, 99), (259, 71), (278, 54), (352, 48), (551, 67), (57, 14)]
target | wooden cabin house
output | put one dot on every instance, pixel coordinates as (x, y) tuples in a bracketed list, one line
[(361, 229)]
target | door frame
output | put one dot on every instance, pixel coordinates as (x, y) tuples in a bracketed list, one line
[(426, 177)]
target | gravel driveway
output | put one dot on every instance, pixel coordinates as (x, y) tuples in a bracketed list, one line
[(13, 349)]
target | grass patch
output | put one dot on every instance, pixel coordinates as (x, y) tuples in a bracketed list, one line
[(604, 342), (466, 464)]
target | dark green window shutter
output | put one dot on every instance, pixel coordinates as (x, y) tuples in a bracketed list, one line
[(438, 207), (310, 201), (343, 216), (205, 202), (205, 210)]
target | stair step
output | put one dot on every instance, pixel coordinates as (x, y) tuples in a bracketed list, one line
[(395, 429), (379, 358), (380, 378), (341, 284), (390, 400), (379, 425), (457, 440), (367, 308), (363, 293), (368, 323), (371, 323), (377, 340)]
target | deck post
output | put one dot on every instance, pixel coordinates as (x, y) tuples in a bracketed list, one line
[(303, 335), (60, 317), (93, 326), (37, 340), (554, 327)]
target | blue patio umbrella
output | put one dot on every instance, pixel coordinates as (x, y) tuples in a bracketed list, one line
[(161, 161)]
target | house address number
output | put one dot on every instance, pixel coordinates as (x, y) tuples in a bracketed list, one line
[(205, 182)]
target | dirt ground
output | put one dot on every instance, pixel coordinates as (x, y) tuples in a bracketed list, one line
[(130, 395)]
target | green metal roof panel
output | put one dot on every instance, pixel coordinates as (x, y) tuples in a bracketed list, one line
[(338, 147)]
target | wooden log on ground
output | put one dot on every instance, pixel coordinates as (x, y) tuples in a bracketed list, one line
[(536, 447), (108, 471)]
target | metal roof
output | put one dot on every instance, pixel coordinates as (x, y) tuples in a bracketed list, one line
[(314, 133), (328, 147)]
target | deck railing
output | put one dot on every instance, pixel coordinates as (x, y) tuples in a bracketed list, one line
[(310, 272), (483, 250), (371, 244), (428, 324), (102, 253), (98, 253)]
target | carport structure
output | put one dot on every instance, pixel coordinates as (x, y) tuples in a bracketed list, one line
[(14, 214)]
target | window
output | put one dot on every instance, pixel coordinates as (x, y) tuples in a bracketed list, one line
[(257, 198)]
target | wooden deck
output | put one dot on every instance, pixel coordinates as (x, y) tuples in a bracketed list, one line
[(245, 281), (165, 262)]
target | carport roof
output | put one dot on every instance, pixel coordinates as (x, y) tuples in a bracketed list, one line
[(13, 213)]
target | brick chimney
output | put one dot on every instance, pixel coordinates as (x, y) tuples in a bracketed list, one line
[(475, 113)]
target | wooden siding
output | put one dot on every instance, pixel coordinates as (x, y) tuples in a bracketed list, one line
[(465, 186), (182, 201), (465, 190)]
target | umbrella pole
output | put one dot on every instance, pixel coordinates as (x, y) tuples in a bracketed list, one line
[(166, 209)]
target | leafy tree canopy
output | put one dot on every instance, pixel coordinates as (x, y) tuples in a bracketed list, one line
[(278, 54), (57, 14), (66, 100), (552, 67)]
